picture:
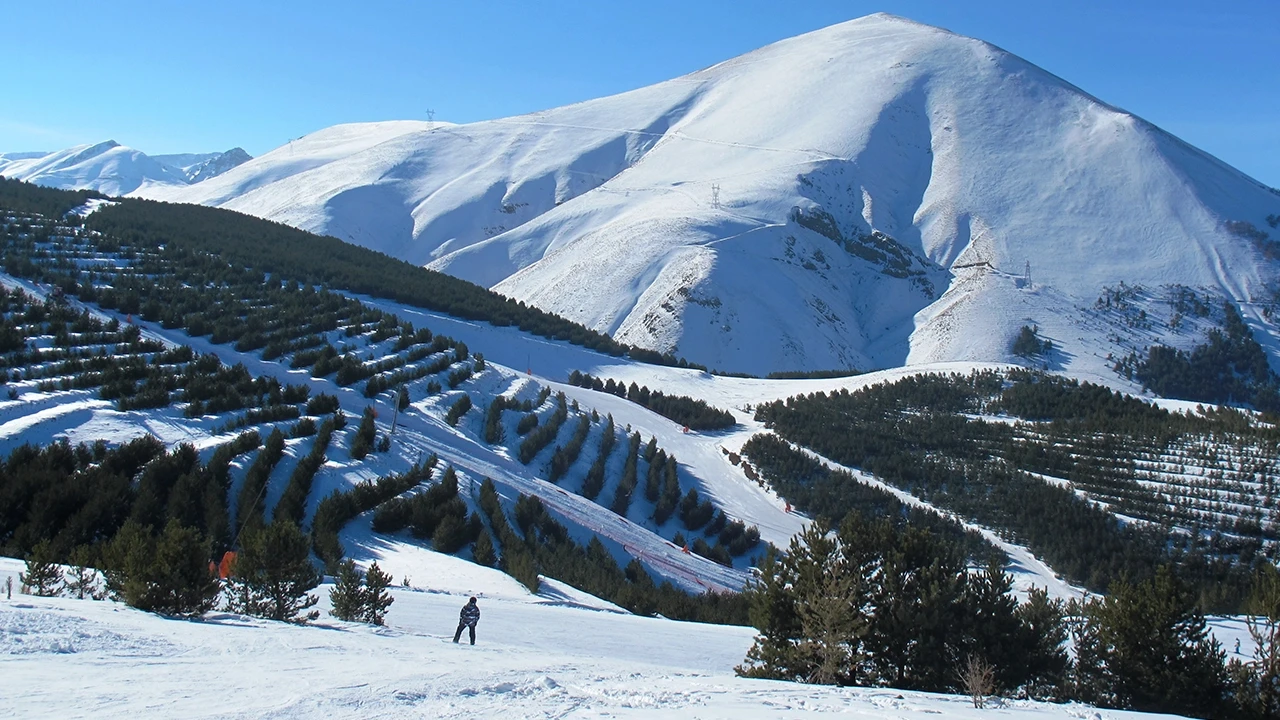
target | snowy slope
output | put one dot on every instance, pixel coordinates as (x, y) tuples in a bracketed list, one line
[(533, 658), (196, 167), (107, 167), (184, 161), (730, 215), (216, 165)]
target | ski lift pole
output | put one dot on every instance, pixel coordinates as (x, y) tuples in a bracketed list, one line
[(395, 411)]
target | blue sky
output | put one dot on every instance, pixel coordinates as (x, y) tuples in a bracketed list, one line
[(180, 77)]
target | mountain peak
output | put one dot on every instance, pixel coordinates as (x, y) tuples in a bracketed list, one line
[(866, 195)]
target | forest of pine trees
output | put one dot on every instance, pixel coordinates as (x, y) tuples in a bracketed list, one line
[(924, 434), (872, 604)]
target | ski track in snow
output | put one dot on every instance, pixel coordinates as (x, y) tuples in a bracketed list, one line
[(64, 658)]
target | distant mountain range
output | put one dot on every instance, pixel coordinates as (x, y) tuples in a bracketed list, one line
[(115, 169), (869, 195)]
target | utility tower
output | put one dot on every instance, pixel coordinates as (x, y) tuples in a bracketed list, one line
[(715, 195)]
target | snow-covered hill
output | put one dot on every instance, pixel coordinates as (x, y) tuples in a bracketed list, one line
[(866, 195), (115, 169), (107, 167)]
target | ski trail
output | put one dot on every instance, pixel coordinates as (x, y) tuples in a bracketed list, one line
[(429, 434), (1021, 560)]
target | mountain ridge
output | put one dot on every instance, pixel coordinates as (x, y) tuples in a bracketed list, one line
[(866, 195), (116, 169)]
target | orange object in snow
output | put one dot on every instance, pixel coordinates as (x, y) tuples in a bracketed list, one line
[(227, 565), (788, 507), (686, 549)]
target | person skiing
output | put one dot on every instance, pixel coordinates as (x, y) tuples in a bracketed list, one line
[(468, 618)]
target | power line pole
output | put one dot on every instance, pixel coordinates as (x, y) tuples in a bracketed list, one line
[(715, 195), (395, 412)]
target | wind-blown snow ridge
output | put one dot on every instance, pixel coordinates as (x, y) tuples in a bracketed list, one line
[(865, 195)]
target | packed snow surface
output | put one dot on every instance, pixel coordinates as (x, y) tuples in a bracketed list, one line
[(534, 657), (867, 195)]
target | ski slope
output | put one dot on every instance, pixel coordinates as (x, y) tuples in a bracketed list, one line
[(535, 657), (80, 417)]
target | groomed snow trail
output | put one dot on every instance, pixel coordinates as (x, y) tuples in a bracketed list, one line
[(62, 658)]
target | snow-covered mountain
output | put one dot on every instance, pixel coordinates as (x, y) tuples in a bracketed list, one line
[(107, 167), (865, 195), (216, 165), (115, 169)]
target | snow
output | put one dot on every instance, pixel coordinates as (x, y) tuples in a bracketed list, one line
[(114, 169), (64, 658), (664, 215), (107, 167)]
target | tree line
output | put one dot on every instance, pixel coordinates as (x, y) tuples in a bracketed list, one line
[(875, 604), (693, 414)]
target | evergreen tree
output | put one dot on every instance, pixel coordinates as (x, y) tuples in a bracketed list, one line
[(997, 633), (774, 612), (832, 610), (1157, 650), (347, 597), (1044, 632), (180, 578), (168, 575), (362, 443), (376, 597), (1256, 683), (483, 552), (81, 580), (273, 574), (43, 576)]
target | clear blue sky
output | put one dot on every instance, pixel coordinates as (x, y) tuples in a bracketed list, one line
[(184, 77)]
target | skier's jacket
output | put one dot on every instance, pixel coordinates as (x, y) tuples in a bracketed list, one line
[(470, 614)]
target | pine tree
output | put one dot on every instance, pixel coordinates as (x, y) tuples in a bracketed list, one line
[(81, 580), (347, 597), (362, 443), (376, 597), (1159, 655), (450, 535), (168, 575), (1044, 632), (483, 552), (180, 579), (273, 573), (43, 576), (774, 614), (1256, 683), (832, 617), (996, 633)]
